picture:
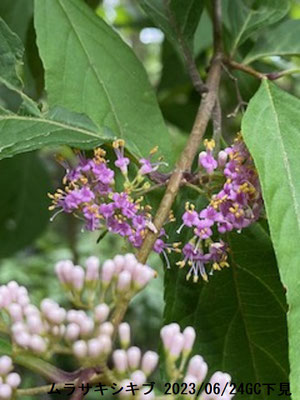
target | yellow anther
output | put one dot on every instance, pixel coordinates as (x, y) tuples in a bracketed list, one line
[(154, 150), (209, 144), (118, 143), (180, 264)]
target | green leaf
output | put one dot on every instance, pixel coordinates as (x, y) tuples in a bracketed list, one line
[(11, 55), (94, 72), (19, 134), (186, 14), (248, 16), (271, 131), (283, 40), (17, 15), (240, 314), (26, 184)]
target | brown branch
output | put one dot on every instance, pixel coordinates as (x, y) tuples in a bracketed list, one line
[(186, 52), (187, 156), (245, 68)]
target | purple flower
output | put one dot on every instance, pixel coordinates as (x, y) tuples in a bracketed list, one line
[(121, 162), (207, 161)]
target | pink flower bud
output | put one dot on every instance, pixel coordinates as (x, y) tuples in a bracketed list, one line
[(78, 277), (30, 309), (106, 328), (120, 360), (197, 367), (37, 344), (5, 365), (119, 262), (189, 335), (177, 345), (80, 349), (101, 312), (190, 379), (124, 334), (124, 281), (149, 362), (142, 275), (15, 312), (34, 324), (22, 339), (125, 384), (5, 391), (47, 305), (107, 272), (86, 326), (72, 332), (222, 158), (56, 315), (23, 300), (63, 270), (94, 348), (138, 377), (130, 262), (134, 357), (92, 269), (167, 334), (13, 379), (106, 343)]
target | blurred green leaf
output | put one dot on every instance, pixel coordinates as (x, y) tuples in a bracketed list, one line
[(11, 54), (19, 134), (186, 14), (271, 131), (282, 40), (93, 71), (23, 202), (240, 314), (248, 16), (17, 15)]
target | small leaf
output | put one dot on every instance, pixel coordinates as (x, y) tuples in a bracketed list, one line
[(283, 40), (240, 314), (271, 131), (94, 72), (26, 184), (248, 16), (19, 134)]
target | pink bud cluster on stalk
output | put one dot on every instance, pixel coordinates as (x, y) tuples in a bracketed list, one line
[(9, 381), (178, 347)]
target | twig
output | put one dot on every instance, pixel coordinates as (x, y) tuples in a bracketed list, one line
[(186, 52), (241, 102), (245, 68), (217, 124), (187, 156)]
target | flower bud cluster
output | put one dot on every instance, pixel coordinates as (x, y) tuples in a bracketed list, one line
[(9, 381), (129, 363), (87, 332), (178, 347), (236, 206), (91, 193)]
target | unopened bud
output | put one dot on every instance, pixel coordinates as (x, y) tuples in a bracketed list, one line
[(15, 312), (5, 391), (142, 275), (63, 270), (138, 377), (80, 349), (167, 334), (72, 331), (177, 345), (78, 277), (120, 360), (92, 269), (134, 357), (189, 335), (149, 362), (101, 312), (106, 343), (106, 328), (5, 365), (124, 281), (13, 379), (107, 271), (222, 158), (197, 367), (94, 348), (119, 262), (37, 344), (124, 334)]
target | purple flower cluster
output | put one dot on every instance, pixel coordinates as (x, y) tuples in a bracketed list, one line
[(91, 194), (234, 207)]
